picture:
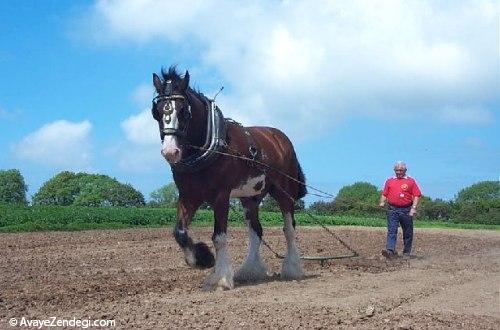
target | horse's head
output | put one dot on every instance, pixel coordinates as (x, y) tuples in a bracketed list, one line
[(172, 110)]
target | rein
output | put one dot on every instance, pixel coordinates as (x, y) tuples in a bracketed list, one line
[(321, 259), (215, 145), (237, 155)]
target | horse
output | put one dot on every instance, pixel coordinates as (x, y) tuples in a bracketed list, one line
[(197, 143)]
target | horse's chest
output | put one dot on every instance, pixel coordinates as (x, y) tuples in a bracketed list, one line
[(250, 187)]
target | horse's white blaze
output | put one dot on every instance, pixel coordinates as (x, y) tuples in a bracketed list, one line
[(291, 268), (222, 276), (251, 187), (169, 143), (253, 269)]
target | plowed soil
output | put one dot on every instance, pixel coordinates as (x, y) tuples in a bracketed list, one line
[(139, 278)]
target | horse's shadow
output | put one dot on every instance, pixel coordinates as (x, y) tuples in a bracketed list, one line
[(273, 278)]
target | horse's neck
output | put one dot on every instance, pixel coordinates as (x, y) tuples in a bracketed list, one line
[(197, 132)]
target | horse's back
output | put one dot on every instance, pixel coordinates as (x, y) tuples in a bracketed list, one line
[(273, 137)]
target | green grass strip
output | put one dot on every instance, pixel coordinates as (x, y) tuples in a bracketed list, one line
[(71, 218)]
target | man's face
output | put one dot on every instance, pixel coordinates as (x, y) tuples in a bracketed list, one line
[(400, 171)]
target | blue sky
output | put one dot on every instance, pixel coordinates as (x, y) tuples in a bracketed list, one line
[(356, 85)]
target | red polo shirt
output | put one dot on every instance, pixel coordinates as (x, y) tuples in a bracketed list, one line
[(400, 192)]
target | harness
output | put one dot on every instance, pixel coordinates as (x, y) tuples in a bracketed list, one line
[(215, 140), (252, 147)]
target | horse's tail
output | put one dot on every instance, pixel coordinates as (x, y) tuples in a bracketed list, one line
[(302, 185)]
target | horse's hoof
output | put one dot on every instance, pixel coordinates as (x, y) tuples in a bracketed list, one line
[(213, 283), (291, 277), (292, 271), (246, 275)]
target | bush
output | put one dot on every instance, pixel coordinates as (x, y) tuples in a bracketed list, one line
[(269, 204), (12, 187), (50, 217), (83, 189), (436, 209), (485, 212), (360, 192), (485, 190), (165, 196), (321, 207)]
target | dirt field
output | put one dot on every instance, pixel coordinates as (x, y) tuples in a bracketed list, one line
[(139, 278)]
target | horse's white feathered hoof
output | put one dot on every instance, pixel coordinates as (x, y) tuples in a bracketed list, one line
[(215, 282), (251, 272), (291, 269)]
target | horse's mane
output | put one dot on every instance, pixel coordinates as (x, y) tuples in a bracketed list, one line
[(174, 76), (171, 74)]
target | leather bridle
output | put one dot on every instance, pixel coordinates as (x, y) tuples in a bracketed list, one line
[(168, 110)]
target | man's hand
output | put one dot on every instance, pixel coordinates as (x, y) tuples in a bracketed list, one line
[(413, 211), (381, 204)]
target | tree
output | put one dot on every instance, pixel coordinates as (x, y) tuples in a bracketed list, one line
[(167, 195), (437, 209), (361, 192), (68, 188), (484, 190), (269, 204), (321, 207), (235, 204), (60, 190), (484, 211), (12, 187), (360, 199)]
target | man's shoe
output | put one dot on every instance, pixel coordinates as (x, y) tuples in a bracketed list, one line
[(406, 256), (389, 254)]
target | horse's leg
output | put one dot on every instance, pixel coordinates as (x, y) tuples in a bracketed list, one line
[(222, 275), (252, 269), (196, 255), (291, 267)]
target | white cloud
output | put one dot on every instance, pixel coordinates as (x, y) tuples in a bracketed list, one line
[(141, 149), (302, 64), (119, 19), (62, 144), (141, 129), (143, 94), (140, 158)]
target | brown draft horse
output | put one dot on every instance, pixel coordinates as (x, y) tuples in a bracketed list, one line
[(182, 115)]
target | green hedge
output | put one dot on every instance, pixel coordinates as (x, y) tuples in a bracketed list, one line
[(42, 218)]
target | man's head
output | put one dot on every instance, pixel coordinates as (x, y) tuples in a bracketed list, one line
[(400, 169)]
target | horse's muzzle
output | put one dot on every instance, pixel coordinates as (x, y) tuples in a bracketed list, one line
[(172, 155)]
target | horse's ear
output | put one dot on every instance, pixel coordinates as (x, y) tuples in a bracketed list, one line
[(157, 83), (184, 82)]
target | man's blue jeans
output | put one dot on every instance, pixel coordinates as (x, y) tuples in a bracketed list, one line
[(396, 216)]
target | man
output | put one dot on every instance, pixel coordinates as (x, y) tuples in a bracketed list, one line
[(402, 194)]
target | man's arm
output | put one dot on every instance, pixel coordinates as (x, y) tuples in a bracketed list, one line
[(383, 199), (413, 209)]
